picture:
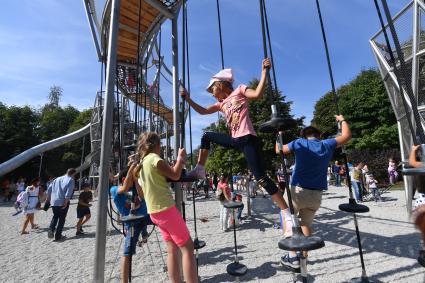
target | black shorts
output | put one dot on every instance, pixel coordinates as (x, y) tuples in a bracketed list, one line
[(82, 211)]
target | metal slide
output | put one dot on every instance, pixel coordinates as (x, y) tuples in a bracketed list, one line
[(28, 154)]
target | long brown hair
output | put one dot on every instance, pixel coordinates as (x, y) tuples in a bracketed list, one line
[(145, 145)]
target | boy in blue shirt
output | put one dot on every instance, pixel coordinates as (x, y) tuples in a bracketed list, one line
[(122, 201), (312, 157)]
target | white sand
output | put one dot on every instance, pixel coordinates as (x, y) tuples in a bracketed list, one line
[(390, 245)]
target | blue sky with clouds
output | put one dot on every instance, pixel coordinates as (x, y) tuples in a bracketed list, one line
[(48, 42)]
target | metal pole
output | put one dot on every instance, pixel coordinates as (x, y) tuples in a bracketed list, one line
[(99, 259), (415, 65), (176, 129), (81, 163), (92, 28), (41, 164)]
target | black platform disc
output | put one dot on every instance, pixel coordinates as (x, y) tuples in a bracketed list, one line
[(360, 280), (198, 244), (132, 218), (353, 208), (183, 178), (233, 204), (299, 242), (277, 124), (236, 269), (413, 171), (130, 146)]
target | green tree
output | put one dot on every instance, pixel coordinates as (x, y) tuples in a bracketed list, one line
[(18, 132), (365, 104), (54, 96)]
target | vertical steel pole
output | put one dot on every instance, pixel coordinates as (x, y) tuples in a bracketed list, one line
[(41, 164), (416, 21), (81, 163), (176, 106), (101, 221)]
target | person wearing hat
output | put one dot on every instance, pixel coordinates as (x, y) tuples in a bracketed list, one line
[(312, 156), (233, 102), (83, 208)]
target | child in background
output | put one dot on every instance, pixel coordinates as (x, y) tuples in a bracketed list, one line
[(234, 103), (224, 194), (371, 181), (123, 201), (153, 171), (238, 198), (392, 171), (83, 208)]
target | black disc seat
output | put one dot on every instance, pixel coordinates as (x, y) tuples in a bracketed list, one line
[(236, 269), (299, 242), (233, 204), (131, 218), (353, 207), (198, 244), (413, 171), (276, 124)]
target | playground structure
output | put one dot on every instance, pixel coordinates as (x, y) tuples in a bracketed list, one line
[(402, 78)]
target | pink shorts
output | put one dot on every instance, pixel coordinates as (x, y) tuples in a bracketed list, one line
[(172, 226)]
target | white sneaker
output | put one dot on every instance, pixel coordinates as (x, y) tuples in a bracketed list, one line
[(198, 173)]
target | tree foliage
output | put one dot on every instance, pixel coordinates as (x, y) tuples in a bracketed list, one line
[(229, 160), (24, 127), (365, 104)]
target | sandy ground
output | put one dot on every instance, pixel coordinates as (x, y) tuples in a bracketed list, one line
[(390, 245)]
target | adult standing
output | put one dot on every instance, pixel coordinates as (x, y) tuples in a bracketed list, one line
[(356, 181), (59, 195), (335, 170), (312, 157), (30, 205), (215, 181)]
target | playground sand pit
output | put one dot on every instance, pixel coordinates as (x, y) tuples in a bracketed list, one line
[(389, 241)]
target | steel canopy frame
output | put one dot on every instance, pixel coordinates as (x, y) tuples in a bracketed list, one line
[(417, 7)]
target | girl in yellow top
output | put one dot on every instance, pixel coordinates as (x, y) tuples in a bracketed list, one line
[(161, 206)]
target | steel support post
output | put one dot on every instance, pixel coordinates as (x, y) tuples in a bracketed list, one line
[(176, 106), (105, 153)]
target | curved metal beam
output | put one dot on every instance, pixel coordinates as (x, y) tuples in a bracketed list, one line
[(28, 154)]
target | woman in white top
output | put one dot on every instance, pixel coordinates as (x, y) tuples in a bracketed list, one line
[(31, 204)]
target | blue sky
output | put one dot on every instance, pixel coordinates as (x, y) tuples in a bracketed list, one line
[(48, 42)]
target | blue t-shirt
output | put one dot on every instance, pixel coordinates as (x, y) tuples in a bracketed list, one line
[(312, 157), (123, 203)]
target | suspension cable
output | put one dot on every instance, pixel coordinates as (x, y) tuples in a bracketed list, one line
[(220, 34), (270, 49), (263, 33)]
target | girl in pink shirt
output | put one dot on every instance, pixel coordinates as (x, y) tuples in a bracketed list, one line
[(233, 102)]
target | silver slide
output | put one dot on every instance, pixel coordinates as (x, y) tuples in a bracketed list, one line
[(28, 154)]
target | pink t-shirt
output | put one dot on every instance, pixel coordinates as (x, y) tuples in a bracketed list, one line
[(235, 109)]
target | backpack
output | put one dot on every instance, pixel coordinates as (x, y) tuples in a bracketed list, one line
[(22, 200)]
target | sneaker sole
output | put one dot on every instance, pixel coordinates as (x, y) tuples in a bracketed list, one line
[(290, 267)]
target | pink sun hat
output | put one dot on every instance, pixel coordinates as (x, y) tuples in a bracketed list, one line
[(225, 75)]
